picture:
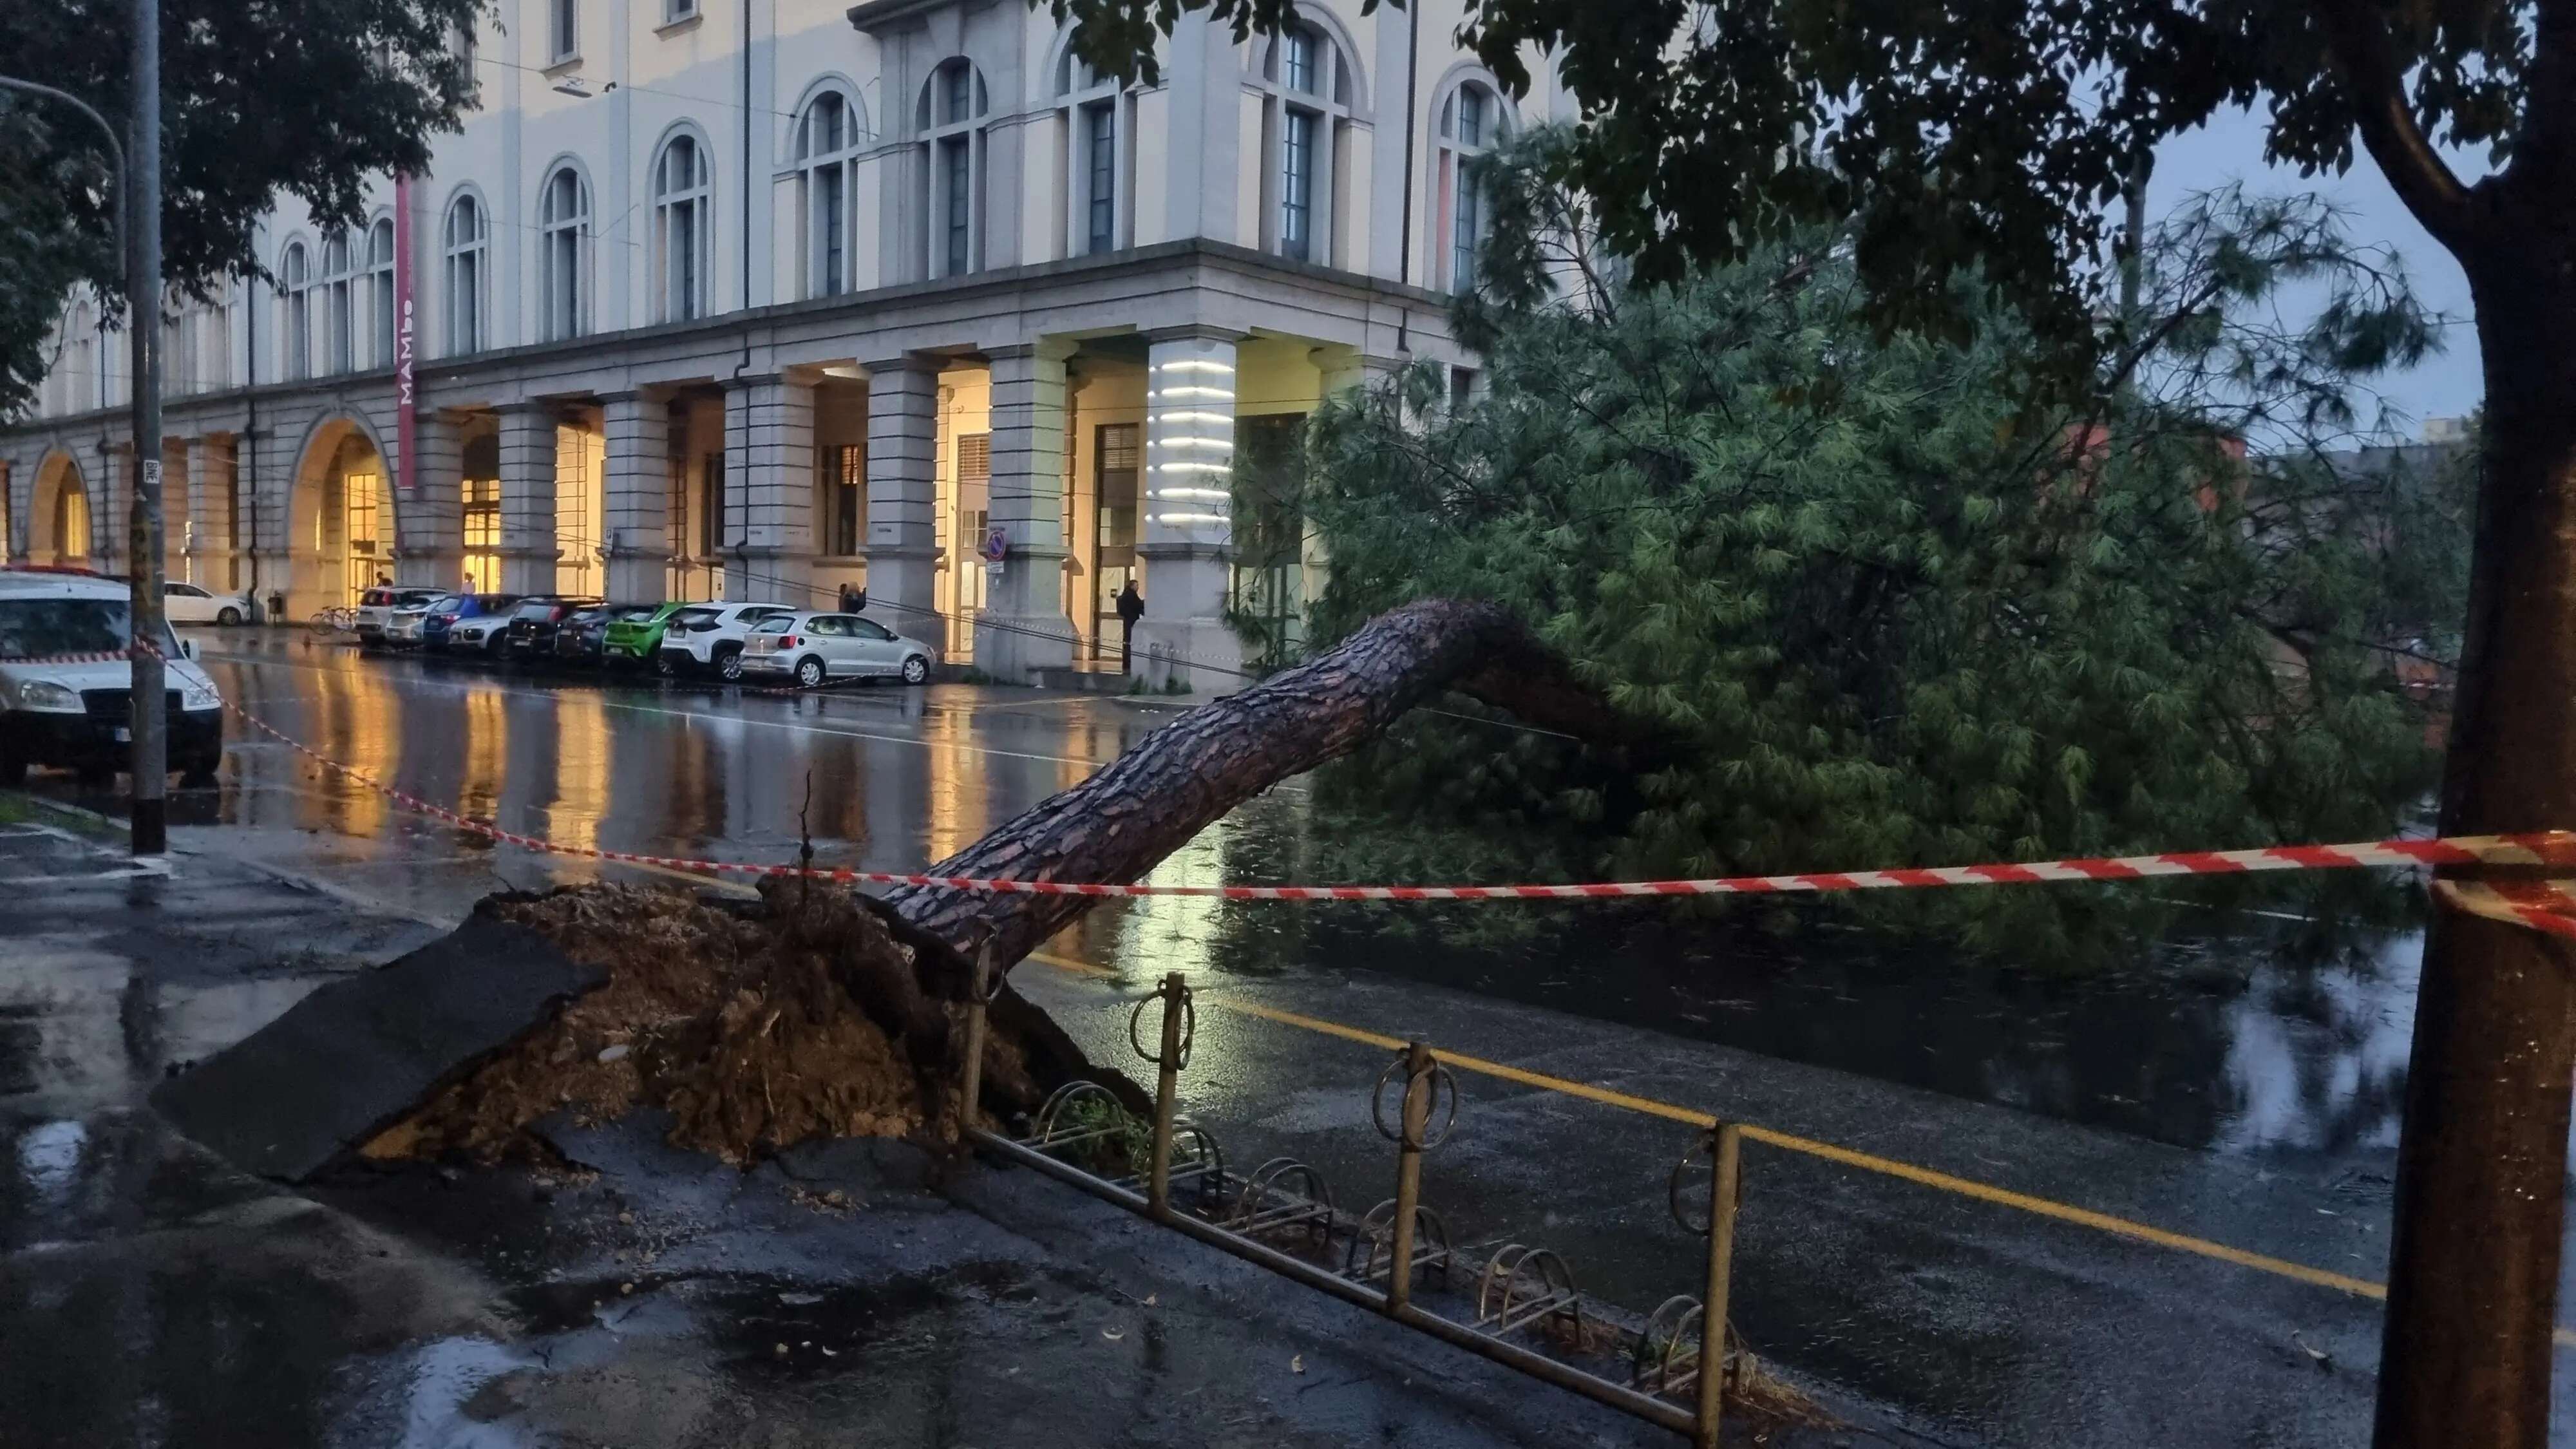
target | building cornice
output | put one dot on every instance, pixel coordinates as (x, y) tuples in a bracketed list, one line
[(442, 374)]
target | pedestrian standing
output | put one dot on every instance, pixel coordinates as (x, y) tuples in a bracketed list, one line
[(1131, 607)]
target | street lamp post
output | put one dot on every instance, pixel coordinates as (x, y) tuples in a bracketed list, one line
[(148, 705), (138, 238)]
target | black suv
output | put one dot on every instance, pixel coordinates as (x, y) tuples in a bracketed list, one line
[(534, 623)]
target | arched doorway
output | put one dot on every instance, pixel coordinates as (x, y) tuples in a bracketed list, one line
[(58, 533), (341, 539)]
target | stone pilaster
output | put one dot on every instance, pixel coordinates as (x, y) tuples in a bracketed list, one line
[(1023, 627), (206, 542), (430, 524), (1188, 547), (903, 498), (528, 548), (638, 428), (769, 460), (109, 508)]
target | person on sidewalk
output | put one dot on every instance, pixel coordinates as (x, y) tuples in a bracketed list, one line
[(1131, 607), (854, 598)]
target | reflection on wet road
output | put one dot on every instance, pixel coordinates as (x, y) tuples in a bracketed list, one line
[(2213, 1044), (2220, 1094)]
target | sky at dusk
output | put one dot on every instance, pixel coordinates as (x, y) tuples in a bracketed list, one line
[(2230, 149)]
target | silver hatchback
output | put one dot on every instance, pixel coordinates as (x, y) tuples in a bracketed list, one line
[(814, 647)]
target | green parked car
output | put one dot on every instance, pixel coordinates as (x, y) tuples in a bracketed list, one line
[(637, 638)]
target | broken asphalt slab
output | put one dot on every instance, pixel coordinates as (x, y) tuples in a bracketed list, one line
[(355, 1054)]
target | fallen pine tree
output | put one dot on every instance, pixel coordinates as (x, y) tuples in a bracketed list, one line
[(817, 1012)]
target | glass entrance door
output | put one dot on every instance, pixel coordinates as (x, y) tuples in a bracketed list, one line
[(1117, 458)]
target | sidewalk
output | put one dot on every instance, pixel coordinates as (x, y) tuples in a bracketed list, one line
[(638, 1296)]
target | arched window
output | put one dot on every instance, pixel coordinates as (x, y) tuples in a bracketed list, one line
[(1098, 127), (380, 291), (1309, 83), (339, 282), (1472, 121), (295, 312), (827, 150), (953, 150), (563, 257), (463, 247), (683, 230)]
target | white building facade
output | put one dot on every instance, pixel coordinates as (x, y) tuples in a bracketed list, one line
[(758, 298)]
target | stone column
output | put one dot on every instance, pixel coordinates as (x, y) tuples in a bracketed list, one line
[(17, 505), (281, 457), (1023, 627), (528, 550), (429, 525), (903, 498), (769, 487), (178, 484), (1188, 547), (638, 428), (108, 508), (208, 527)]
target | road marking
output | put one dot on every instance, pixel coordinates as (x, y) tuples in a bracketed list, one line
[(1867, 1162), (255, 662), (128, 873)]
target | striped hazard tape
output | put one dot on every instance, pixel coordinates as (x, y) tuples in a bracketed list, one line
[(2549, 905)]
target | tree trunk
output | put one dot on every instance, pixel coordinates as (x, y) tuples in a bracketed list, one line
[(1180, 779), (2482, 1164)]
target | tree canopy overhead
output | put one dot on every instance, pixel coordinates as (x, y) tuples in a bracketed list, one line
[(1906, 618), (301, 98), (1988, 135)]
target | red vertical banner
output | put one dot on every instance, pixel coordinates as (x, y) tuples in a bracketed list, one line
[(406, 473)]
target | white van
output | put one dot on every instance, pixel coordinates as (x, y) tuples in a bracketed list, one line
[(65, 684)]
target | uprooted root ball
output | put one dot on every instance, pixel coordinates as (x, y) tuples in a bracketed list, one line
[(756, 1029)]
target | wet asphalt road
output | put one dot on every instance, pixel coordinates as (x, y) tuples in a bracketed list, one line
[(2251, 1106), (643, 1297)]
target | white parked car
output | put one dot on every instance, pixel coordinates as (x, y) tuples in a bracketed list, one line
[(196, 604), (376, 607), (66, 685), (813, 647), (406, 625), (483, 634), (710, 637)]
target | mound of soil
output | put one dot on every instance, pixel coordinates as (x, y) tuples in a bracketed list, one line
[(812, 1013)]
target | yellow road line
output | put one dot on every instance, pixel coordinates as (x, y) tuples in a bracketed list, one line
[(1848, 1157)]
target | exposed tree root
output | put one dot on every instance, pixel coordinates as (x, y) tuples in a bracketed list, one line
[(757, 1027)]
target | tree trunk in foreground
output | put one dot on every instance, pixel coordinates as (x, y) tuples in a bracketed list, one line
[(1117, 825), (2482, 1164)]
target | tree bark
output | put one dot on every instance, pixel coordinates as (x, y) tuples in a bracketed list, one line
[(1150, 801), (2482, 1162)]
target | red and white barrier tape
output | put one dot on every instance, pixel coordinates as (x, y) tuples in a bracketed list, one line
[(118, 656), (2549, 906)]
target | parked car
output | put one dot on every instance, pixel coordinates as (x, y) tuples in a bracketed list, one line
[(195, 604), (708, 637), (637, 639), (376, 607), (813, 647), (466, 621), (530, 632), (582, 637), (407, 625), (66, 689)]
